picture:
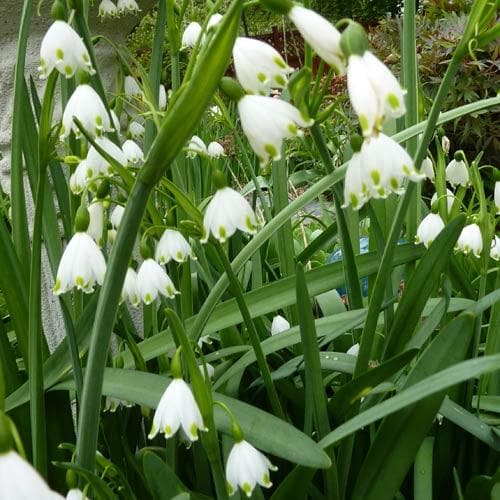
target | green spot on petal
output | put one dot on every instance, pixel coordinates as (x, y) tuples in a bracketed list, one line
[(354, 200), (193, 430), (222, 233), (247, 489), (98, 121), (261, 77), (271, 150), (179, 256), (375, 175), (266, 480), (293, 128), (280, 80), (59, 54), (147, 298), (363, 122), (394, 183), (79, 282), (406, 170), (279, 62), (393, 101), (167, 431), (57, 285)]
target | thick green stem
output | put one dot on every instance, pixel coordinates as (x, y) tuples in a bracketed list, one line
[(103, 324), (237, 289)]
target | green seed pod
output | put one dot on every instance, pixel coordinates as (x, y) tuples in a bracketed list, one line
[(145, 248), (232, 88), (356, 143), (104, 190), (354, 40), (71, 479), (82, 219), (82, 77), (219, 179)]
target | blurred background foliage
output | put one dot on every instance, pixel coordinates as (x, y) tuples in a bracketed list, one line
[(440, 24)]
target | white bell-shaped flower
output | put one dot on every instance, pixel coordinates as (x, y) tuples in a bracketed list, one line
[(353, 350), (132, 88), (228, 211), (82, 265), (133, 153), (267, 122), (356, 183), (457, 173), (107, 9), (63, 49), (450, 199), (173, 246), (215, 150), (130, 291), (320, 34), (215, 110), (117, 216), (259, 67), (96, 224), (497, 197), (210, 370), (136, 130), (445, 144), (162, 98), (112, 404), (495, 248), (125, 6), (214, 20), (427, 169), (196, 147), (246, 467), (429, 229), (79, 179), (97, 165), (470, 240), (116, 121), (279, 324), (374, 92), (176, 410), (153, 280), (76, 494), (86, 105), (20, 481), (190, 35)]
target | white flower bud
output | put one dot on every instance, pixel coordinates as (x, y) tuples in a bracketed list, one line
[(190, 35), (215, 150), (353, 350), (133, 153), (214, 20), (117, 216), (429, 229), (162, 98), (279, 324)]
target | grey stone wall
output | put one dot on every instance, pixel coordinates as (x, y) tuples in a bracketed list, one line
[(115, 29)]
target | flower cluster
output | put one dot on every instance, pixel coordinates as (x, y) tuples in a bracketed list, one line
[(107, 8)]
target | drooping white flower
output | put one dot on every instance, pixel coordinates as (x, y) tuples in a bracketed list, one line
[(76, 494), (130, 291), (132, 88), (457, 173), (195, 147), (356, 183), (210, 370), (107, 9), (267, 122), (215, 150), (246, 467), (80, 177), (20, 481), (153, 280), (450, 199), (374, 92), (116, 216), (96, 224), (63, 49), (497, 197), (320, 34), (259, 67), (445, 144), (112, 404), (190, 35), (82, 265), (279, 324), (427, 169), (116, 121), (125, 6), (228, 211), (97, 165), (214, 20), (173, 246), (133, 153), (470, 240), (162, 98), (428, 229), (136, 130), (86, 105), (353, 350), (204, 339), (177, 409), (495, 248)]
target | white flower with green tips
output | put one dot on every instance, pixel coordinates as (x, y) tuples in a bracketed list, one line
[(63, 49), (228, 211), (190, 35), (429, 229), (82, 265), (267, 122), (495, 248), (136, 130), (107, 9), (132, 88), (96, 224), (450, 199), (457, 173), (97, 165), (152, 280), (246, 467), (320, 34), (374, 92), (79, 179), (470, 240), (177, 410), (173, 246), (117, 216), (133, 153), (215, 150), (85, 105), (125, 6), (356, 183), (196, 147), (259, 67), (427, 169), (130, 291)]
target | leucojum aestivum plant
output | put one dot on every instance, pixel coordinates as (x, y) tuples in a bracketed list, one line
[(210, 348)]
